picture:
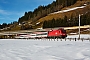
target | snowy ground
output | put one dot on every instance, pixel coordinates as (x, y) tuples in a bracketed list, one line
[(14, 49)]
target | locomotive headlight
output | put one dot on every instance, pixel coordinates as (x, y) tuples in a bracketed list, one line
[(56, 33)]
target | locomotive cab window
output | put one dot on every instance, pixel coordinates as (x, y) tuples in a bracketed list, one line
[(64, 31)]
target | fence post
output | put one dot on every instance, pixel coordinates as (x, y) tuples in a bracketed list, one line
[(57, 38), (54, 38), (49, 39), (65, 39), (75, 39), (70, 39), (61, 39), (82, 39)]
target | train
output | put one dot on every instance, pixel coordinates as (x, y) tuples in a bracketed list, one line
[(57, 33)]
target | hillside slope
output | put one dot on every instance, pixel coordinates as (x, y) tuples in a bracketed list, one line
[(76, 9)]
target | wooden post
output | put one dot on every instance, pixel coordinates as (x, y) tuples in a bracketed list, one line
[(51, 39), (54, 38), (61, 39), (82, 39), (70, 39), (65, 39), (75, 39), (57, 38)]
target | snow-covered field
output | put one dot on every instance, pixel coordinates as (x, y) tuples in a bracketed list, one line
[(23, 49)]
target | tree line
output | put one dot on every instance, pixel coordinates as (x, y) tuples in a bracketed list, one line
[(4, 25), (67, 22)]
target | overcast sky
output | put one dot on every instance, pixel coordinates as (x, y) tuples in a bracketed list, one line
[(11, 10)]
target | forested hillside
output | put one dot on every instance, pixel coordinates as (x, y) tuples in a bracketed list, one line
[(45, 16)]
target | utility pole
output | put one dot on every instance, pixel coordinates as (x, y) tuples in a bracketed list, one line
[(79, 26), (89, 29)]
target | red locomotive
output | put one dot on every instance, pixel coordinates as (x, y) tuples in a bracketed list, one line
[(59, 33)]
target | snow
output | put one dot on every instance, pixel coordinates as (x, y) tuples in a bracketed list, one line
[(82, 36), (76, 27), (69, 9), (31, 49), (38, 23)]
